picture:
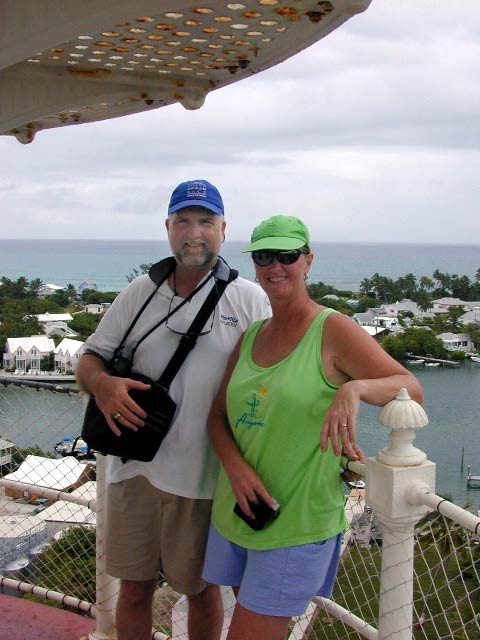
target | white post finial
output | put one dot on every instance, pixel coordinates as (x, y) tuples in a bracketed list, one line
[(403, 416), (391, 475)]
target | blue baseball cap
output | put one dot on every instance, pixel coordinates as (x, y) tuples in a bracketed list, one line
[(196, 193)]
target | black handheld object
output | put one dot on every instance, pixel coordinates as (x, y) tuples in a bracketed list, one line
[(263, 514)]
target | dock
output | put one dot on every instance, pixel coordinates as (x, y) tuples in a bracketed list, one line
[(441, 361), (472, 480)]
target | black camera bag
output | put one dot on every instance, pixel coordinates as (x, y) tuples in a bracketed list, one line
[(156, 402)]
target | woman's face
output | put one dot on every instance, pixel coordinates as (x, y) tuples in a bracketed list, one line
[(284, 280)]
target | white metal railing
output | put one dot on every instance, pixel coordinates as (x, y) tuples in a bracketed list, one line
[(382, 592)]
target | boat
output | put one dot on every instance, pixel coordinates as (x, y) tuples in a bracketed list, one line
[(419, 361), (357, 484), (432, 364), (76, 447), (475, 359)]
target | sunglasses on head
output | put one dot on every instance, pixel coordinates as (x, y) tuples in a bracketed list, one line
[(265, 258)]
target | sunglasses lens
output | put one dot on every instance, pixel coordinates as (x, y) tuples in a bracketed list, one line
[(262, 258), (288, 257)]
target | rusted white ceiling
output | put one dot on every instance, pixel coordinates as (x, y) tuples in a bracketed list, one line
[(66, 62)]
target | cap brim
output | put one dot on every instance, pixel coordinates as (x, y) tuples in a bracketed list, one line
[(275, 242), (185, 204)]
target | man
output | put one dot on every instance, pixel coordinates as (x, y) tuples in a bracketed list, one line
[(158, 512)]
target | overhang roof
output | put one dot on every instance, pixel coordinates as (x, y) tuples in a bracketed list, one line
[(66, 62)]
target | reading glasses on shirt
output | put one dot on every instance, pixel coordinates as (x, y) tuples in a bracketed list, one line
[(266, 257), (182, 333)]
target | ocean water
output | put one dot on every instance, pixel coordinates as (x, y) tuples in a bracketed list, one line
[(108, 262), (452, 403), (452, 398)]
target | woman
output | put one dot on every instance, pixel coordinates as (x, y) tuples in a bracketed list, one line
[(287, 408)]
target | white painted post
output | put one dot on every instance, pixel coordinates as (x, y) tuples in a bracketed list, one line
[(107, 587), (390, 479)]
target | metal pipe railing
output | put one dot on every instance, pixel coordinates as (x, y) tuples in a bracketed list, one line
[(348, 618), (49, 594), (51, 494), (420, 494)]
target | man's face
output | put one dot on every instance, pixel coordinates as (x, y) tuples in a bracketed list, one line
[(195, 236)]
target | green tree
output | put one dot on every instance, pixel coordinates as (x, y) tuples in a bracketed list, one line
[(84, 324), (365, 302), (443, 283), (68, 565), (418, 342), (473, 330), (90, 296), (395, 347), (33, 287), (143, 268), (407, 286), (461, 287), (427, 283), (424, 300)]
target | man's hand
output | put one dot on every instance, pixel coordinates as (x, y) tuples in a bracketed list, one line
[(113, 400)]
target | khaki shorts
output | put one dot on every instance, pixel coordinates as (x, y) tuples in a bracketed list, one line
[(149, 531)]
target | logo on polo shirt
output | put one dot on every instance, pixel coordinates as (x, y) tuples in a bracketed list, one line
[(229, 321), (197, 190)]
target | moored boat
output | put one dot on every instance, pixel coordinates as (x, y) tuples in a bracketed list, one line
[(76, 447)]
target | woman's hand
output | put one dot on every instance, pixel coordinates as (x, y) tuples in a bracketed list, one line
[(340, 425), (247, 486)]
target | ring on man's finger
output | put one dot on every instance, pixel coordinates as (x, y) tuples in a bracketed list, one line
[(116, 416)]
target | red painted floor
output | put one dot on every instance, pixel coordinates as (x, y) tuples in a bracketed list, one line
[(24, 620)]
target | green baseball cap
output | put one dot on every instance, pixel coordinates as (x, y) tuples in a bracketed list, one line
[(279, 232)]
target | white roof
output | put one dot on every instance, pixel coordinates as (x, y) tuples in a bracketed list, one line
[(52, 473), (86, 490), (373, 331), (64, 511), (5, 444), (54, 317), (12, 526), (453, 336), (42, 343), (67, 344), (54, 287), (449, 301)]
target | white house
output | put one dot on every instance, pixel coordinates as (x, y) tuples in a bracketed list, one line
[(392, 310), (442, 305), (456, 342), (25, 354), (49, 318), (61, 474), (63, 514), (46, 290), (96, 308), (471, 317), (87, 284), (67, 355), (56, 324), (6, 449)]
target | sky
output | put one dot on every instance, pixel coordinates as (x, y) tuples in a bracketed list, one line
[(370, 135)]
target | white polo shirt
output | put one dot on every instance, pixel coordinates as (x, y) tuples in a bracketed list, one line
[(185, 464)]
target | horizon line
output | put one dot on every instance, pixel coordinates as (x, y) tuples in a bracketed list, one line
[(322, 242)]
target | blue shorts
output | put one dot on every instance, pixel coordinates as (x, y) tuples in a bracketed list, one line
[(278, 582)]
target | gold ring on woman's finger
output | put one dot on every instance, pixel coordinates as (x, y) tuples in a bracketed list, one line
[(116, 416)]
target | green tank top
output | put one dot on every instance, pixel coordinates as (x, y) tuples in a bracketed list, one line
[(276, 414)]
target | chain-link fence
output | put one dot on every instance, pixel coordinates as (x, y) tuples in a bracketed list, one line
[(47, 536)]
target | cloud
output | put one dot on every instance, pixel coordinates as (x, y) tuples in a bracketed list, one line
[(371, 134)]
